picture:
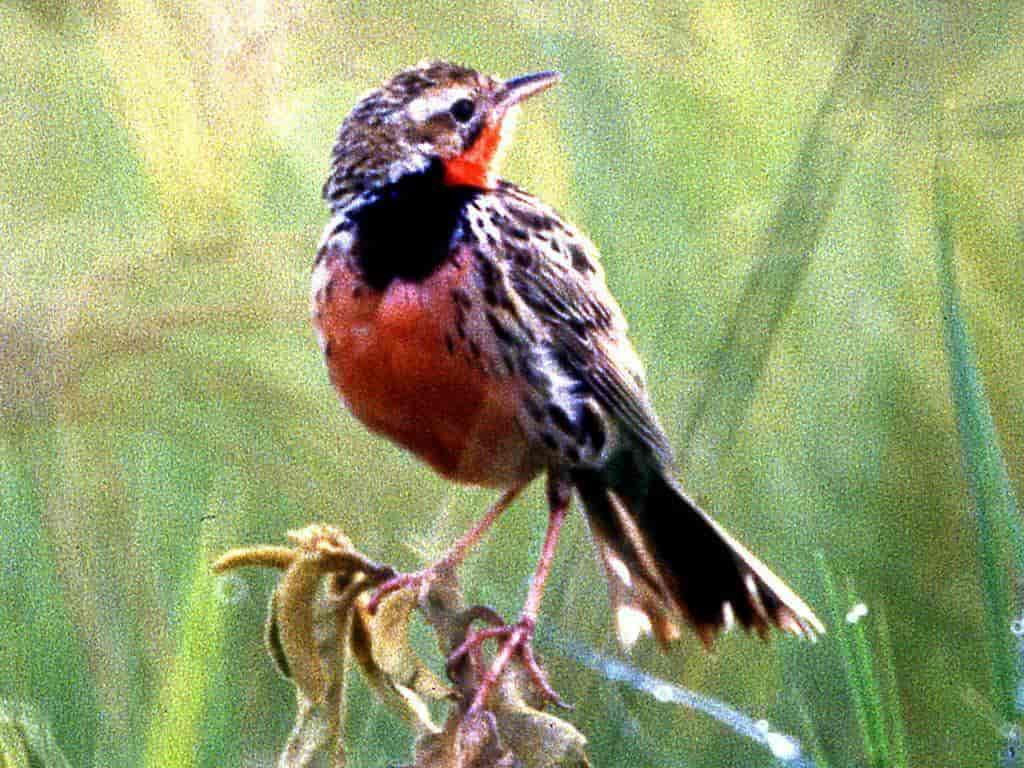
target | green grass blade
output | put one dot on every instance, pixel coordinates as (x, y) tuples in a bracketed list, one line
[(811, 740), (26, 739), (995, 121), (891, 694), (868, 690), (869, 669), (1000, 542), (852, 668), (793, 234), (177, 721)]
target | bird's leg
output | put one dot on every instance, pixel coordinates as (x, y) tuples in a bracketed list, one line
[(453, 557), (518, 637)]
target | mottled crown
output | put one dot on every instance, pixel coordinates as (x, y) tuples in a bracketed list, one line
[(403, 126)]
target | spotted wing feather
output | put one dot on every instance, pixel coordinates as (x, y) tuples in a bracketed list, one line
[(583, 326), (664, 556)]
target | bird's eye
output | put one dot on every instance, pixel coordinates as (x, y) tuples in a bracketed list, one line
[(462, 110)]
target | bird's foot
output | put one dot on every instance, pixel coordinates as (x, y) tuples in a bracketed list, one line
[(517, 639), (421, 580)]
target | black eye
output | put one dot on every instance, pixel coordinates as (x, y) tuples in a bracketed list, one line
[(462, 110)]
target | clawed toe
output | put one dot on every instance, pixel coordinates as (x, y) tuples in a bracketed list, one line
[(418, 579), (516, 640)]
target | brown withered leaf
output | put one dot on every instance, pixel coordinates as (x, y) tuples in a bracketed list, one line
[(380, 643), (510, 734), (318, 616), (539, 739), (292, 614), (272, 639), (308, 630), (464, 744), (314, 732)]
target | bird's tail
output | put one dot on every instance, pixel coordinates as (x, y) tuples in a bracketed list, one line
[(666, 558)]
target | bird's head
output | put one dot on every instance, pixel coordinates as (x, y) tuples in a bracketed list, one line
[(437, 114)]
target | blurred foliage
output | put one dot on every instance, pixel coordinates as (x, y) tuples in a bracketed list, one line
[(178, 714), (161, 395), (26, 739)]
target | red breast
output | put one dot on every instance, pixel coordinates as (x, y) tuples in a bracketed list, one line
[(392, 356)]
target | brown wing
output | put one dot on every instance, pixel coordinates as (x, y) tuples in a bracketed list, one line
[(676, 560), (557, 275)]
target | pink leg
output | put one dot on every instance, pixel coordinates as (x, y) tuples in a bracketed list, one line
[(518, 636), (454, 556)]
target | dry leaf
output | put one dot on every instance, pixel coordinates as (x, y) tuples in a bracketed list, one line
[(380, 644), (292, 614), (308, 629), (540, 740), (464, 744), (318, 615)]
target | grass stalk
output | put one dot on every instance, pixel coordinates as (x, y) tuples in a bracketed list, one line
[(791, 238), (1000, 541), (176, 725)]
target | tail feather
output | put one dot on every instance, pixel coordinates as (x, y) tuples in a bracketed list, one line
[(666, 557)]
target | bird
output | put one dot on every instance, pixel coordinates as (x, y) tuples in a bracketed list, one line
[(465, 320)]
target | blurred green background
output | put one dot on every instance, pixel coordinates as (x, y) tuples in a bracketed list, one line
[(162, 397)]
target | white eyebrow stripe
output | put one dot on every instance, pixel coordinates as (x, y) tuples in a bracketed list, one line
[(430, 104)]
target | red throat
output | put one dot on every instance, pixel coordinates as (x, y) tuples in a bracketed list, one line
[(474, 167)]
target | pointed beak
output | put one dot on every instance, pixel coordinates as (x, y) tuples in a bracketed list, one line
[(517, 89)]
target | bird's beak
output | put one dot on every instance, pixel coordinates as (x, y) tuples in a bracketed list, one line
[(517, 89)]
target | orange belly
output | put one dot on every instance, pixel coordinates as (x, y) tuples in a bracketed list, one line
[(388, 357)]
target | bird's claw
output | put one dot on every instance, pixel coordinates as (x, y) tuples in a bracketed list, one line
[(419, 579), (517, 640)]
